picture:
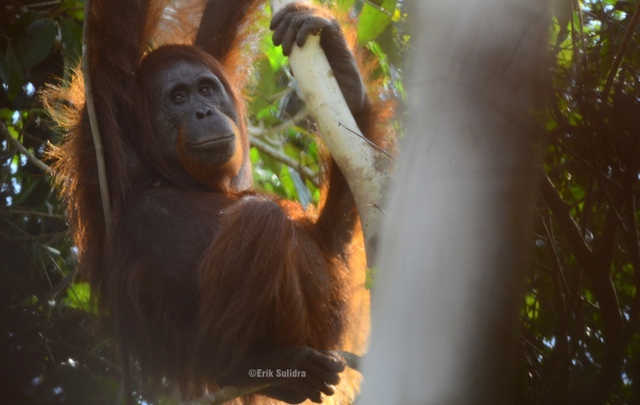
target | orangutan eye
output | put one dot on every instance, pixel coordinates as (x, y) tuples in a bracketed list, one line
[(205, 89), (178, 97)]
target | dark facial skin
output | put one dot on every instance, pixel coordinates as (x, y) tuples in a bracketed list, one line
[(195, 116)]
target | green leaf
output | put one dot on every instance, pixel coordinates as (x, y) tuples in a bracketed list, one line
[(15, 79), (42, 35), (18, 29), (370, 277), (7, 114), (344, 5), (79, 295), (255, 156), (4, 71), (274, 53), (373, 21), (577, 191), (71, 34), (381, 56), (77, 6), (288, 186), (533, 306)]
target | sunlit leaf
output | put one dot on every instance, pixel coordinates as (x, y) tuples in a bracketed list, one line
[(79, 295), (374, 19)]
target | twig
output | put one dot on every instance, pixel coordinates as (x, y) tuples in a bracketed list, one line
[(377, 7), (594, 265), (285, 125), (582, 160), (379, 208), (22, 149), (93, 120), (281, 157), (45, 4), (65, 10), (32, 213), (623, 49), (373, 145), (57, 288), (87, 353), (51, 235)]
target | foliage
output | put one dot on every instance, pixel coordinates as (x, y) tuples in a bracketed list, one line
[(580, 338), (50, 348)]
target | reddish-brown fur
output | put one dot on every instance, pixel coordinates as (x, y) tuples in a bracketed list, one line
[(197, 278)]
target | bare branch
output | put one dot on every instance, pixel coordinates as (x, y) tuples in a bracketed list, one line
[(257, 132), (33, 213), (595, 267), (561, 211), (373, 145), (22, 149), (44, 4), (623, 49), (281, 157)]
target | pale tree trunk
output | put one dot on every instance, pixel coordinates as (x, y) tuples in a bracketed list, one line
[(356, 158), (453, 252)]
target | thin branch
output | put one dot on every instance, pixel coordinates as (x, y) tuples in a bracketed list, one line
[(22, 149), (373, 145), (33, 213), (583, 44), (51, 235), (595, 268), (47, 251), (582, 160), (87, 353), (274, 97), (93, 120), (613, 219), (45, 4), (65, 282), (377, 7), (281, 157), (623, 49), (302, 114), (65, 10), (32, 137)]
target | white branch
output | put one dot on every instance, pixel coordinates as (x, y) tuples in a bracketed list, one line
[(357, 160)]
